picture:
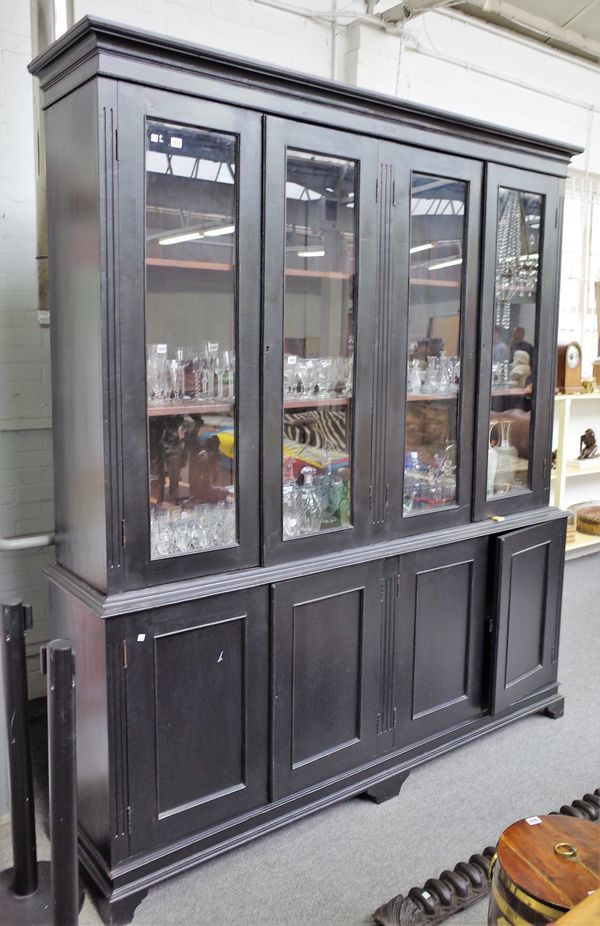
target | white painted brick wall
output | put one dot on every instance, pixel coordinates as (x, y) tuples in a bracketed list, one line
[(26, 492)]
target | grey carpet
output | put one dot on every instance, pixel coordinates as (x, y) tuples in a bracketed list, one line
[(338, 866)]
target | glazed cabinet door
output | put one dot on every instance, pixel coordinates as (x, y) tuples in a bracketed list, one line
[(529, 573), (518, 341), (441, 640), (197, 707), (325, 661), (425, 369), (320, 303), (184, 353)]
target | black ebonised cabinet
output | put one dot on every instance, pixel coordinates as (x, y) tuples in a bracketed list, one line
[(302, 431)]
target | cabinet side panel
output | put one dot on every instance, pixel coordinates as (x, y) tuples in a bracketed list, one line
[(71, 620), (74, 268)]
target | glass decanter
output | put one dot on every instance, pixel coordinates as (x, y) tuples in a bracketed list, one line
[(310, 511)]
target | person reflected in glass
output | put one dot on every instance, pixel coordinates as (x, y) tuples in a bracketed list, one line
[(500, 350), (204, 474), (518, 342)]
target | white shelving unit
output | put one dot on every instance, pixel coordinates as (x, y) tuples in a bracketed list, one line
[(570, 482)]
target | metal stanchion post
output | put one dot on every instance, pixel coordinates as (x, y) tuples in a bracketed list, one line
[(24, 889), (63, 798)]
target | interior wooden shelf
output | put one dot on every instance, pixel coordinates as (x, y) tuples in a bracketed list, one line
[(179, 264), (316, 402), (289, 272), (431, 396), (188, 264), (449, 284), (326, 274), (191, 408), (441, 396), (225, 407), (508, 391)]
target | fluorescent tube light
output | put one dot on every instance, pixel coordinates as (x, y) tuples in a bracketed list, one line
[(421, 247), (176, 239), (314, 253), (215, 232), (446, 263), (197, 234)]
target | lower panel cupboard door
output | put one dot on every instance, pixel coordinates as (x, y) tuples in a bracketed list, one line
[(529, 572), (325, 651), (197, 709), (441, 645)]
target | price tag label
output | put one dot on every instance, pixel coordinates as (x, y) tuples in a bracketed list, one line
[(292, 358), (161, 348), (176, 142), (533, 821)]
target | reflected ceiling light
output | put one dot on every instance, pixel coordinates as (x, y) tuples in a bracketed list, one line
[(176, 239), (421, 247), (314, 252), (446, 263), (215, 232), (195, 235)]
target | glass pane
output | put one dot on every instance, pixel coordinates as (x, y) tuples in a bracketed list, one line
[(191, 246), (437, 245), (513, 352), (319, 320)]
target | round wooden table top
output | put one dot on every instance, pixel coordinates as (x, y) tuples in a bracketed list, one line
[(556, 860)]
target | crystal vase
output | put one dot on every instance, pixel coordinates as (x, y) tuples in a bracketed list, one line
[(507, 458), (492, 462)]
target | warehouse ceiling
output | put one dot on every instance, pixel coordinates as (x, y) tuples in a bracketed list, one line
[(570, 25)]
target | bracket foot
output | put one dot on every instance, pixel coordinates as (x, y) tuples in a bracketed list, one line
[(386, 790)]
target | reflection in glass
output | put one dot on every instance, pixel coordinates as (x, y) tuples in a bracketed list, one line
[(191, 246), (319, 334), (437, 246), (513, 352)]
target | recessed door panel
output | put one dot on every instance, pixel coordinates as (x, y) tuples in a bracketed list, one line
[(526, 630), (326, 637), (200, 711), (326, 677), (441, 646), (442, 631), (197, 705)]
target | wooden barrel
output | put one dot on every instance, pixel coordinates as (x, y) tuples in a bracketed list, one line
[(543, 867)]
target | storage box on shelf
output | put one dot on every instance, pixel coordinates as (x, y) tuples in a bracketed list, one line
[(298, 554), (573, 480)]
